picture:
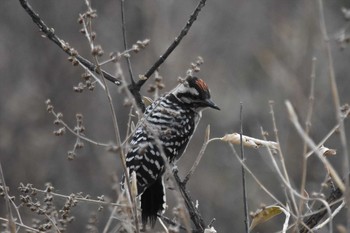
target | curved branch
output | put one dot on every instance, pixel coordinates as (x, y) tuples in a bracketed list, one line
[(135, 89)]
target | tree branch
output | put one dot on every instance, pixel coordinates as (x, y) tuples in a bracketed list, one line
[(193, 211), (135, 89), (50, 34), (314, 219)]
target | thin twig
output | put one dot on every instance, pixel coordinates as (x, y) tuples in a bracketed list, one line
[(125, 41), (50, 34), (261, 184), (135, 89), (171, 222), (114, 119), (336, 100), (284, 169), (77, 134), (11, 222), (245, 201), (312, 221), (266, 190), (199, 157), (21, 225), (193, 211), (80, 198), (334, 213), (294, 119), (307, 131)]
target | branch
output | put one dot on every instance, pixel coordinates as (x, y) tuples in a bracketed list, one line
[(135, 88), (245, 201), (50, 34), (314, 219), (126, 42), (193, 211)]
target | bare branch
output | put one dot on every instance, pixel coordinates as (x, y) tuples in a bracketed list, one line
[(200, 155), (312, 221), (122, 2), (11, 222), (135, 89), (294, 119), (50, 34), (193, 211), (245, 201), (336, 101)]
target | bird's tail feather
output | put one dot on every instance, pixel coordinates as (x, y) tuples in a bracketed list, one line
[(152, 202)]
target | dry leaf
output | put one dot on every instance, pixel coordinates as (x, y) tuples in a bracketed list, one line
[(326, 151), (134, 190), (264, 215), (235, 138), (147, 101)]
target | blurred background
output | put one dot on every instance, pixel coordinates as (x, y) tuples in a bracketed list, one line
[(254, 51)]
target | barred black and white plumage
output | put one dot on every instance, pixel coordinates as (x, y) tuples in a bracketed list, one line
[(167, 126)]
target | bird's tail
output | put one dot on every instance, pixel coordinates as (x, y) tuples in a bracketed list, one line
[(153, 202)]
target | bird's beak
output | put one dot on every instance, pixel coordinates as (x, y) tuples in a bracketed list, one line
[(211, 104)]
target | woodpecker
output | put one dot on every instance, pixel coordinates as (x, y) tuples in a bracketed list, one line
[(163, 133)]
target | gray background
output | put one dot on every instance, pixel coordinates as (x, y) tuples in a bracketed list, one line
[(254, 51)]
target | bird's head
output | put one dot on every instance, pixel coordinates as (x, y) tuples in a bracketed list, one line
[(194, 92)]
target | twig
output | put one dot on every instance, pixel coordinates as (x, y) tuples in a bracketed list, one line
[(307, 130), (334, 213), (199, 157), (294, 119), (314, 219), (21, 225), (77, 134), (261, 184), (286, 221), (285, 175), (125, 41), (266, 190), (171, 222), (11, 222), (50, 34), (193, 211), (114, 119), (80, 198), (135, 89), (336, 100), (245, 201)]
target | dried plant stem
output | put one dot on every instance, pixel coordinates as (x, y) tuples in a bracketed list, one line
[(245, 201), (135, 89), (307, 131), (199, 157), (11, 222), (78, 135), (329, 219), (336, 100), (50, 34), (21, 225), (193, 211), (285, 175), (254, 177), (315, 218), (176, 42), (294, 119), (122, 2), (80, 198), (114, 118)]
